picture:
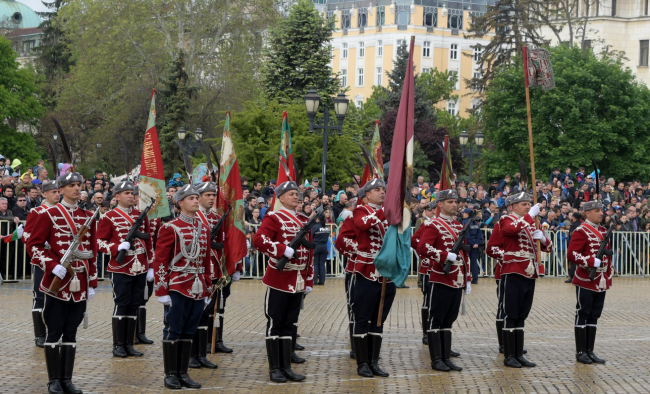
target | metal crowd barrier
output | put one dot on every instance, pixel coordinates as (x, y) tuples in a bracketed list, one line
[(631, 256)]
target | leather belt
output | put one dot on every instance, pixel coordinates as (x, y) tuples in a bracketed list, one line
[(135, 252), (188, 270), (79, 269), (290, 266), (527, 255)]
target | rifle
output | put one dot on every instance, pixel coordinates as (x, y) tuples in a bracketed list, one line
[(69, 254), (300, 237), (134, 233), (459, 244), (215, 230), (602, 251)]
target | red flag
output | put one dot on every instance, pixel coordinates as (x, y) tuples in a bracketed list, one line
[(375, 151), (286, 155)]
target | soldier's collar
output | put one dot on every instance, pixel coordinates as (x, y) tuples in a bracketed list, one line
[(594, 225), (187, 219), (516, 215), (123, 209), (288, 210), (47, 204), (375, 206), (69, 206), (447, 217), (204, 211)]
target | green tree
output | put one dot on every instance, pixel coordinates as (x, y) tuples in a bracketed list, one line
[(298, 55), (597, 110), (19, 106)]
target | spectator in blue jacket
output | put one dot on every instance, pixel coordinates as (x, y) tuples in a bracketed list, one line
[(554, 174), (475, 241), (503, 183), (175, 181), (566, 176)]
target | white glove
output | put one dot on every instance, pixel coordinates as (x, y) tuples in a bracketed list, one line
[(534, 210), (236, 276), (538, 234), (91, 293), (468, 289), (124, 246), (19, 231), (150, 275), (597, 262), (452, 256), (59, 271), (165, 300), (288, 252), (308, 290), (207, 300)]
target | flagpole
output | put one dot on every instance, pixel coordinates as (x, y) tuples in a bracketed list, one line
[(530, 146)]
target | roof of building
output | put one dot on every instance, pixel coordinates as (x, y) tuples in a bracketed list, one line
[(15, 15), (24, 32)]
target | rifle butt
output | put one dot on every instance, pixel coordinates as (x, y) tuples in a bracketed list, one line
[(447, 267), (120, 256), (381, 302), (592, 274), (281, 263), (56, 285)]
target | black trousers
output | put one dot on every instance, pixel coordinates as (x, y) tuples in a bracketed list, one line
[(207, 317), (149, 292), (128, 293), (589, 307), (182, 317), (62, 318), (444, 304), (348, 283), (518, 294), (500, 300), (38, 296), (282, 311), (426, 290), (365, 304), (319, 268)]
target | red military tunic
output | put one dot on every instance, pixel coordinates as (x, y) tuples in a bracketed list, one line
[(180, 276), (209, 219), (519, 256), (111, 232), (29, 229), (495, 250), (584, 244), (370, 225), (435, 243), (154, 228), (272, 238), (346, 243), (425, 264), (51, 227)]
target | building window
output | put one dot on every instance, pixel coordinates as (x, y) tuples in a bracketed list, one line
[(453, 76), (359, 76), (381, 16), (613, 7), (345, 19), (451, 107), (586, 44), (379, 75), (344, 78), (400, 42), (426, 49), (28, 46), (475, 77), (363, 17), (344, 53), (359, 103), (362, 49), (643, 54), (453, 52), (426, 70), (380, 48), (455, 19), (430, 17), (477, 54), (645, 9)]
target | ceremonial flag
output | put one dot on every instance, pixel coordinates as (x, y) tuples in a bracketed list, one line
[(230, 194), (286, 155), (538, 68), (375, 151), (394, 258), (152, 175), (15, 236)]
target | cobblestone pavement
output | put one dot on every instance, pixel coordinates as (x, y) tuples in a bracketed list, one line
[(623, 339)]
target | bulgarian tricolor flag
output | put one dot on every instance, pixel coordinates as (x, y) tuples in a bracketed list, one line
[(152, 175), (15, 236), (286, 155), (375, 151), (230, 194)]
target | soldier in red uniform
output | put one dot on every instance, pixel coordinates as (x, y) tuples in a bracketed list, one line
[(423, 272), (584, 244), (495, 250), (285, 289), (366, 284), (519, 270), (154, 226), (207, 194), (128, 278), (182, 284), (446, 292), (64, 311), (50, 191)]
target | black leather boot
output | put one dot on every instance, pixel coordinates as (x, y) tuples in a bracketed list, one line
[(52, 364), (286, 348), (581, 345), (519, 350), (425, 318), (119, 336), (39, 327), (201, 358), (361, 350), (375, 343), (208, 348), (294, 357), (273, 355), (445, 344), (509, 349), (66, 366), (435, 352), (184, 350), (219, 347), (140, 337), (499, 324), (170, 362), (194, 354), (455, 354), (351, 330), (130, 337), (591, 341), (295, 336)]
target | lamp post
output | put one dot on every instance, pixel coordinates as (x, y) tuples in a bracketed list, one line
[(191, 145), (99, 159), (55, 136), (479, 138), (324, 126)]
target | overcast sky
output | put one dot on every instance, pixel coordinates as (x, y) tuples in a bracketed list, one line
[(36, 5)]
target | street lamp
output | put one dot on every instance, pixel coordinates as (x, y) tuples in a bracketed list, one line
[(324, 126), (479, 138), (190, 145)]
